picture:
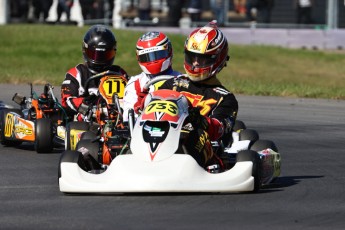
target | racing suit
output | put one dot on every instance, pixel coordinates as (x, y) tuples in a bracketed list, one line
[(72, 87), (135, 86), (217, 105)]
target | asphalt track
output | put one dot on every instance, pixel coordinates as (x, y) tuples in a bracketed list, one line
[(310, 194)]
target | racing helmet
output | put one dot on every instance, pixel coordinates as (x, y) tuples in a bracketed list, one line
[(154, 52), (99, 48), (205, 52)]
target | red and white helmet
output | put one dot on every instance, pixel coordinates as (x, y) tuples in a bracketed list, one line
[(154, 52), (206, 52)]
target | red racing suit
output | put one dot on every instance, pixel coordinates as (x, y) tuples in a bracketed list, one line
[(72, 87)]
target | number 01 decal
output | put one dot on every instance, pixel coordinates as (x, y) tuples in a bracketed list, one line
[(162, 106), (9, 122)]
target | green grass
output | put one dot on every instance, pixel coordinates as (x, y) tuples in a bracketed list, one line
[(43, 53)]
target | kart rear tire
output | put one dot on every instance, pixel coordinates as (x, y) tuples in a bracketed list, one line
[(3, 140), (77, 126), (260, 145), (239, 125), (250, 155), (44, 135)]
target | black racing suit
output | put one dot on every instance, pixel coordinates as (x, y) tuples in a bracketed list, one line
[(216, 103)]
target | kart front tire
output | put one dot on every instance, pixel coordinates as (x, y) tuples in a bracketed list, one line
[(91, 159), (92, 147), (44, 135), (71, 156), (250, 155)]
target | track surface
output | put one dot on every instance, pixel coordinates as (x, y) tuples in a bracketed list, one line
[(308, 195)]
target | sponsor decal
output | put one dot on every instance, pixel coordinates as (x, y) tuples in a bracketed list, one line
[(221, 91), (24, 129), (195, 46), (197, 101), (203, 31), (202, 140), (9, 123), (149, 50), (20, 130), (154, 131)]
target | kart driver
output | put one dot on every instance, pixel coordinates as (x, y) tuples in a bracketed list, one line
[(214, 108), (154, 55), (99, 51)]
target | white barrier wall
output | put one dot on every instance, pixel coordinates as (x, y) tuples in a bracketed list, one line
[(3, 12), (289, 38)]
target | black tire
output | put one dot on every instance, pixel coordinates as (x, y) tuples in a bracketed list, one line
[(91, 160), (249, 134), (250, 155), (88, 135), (239, 125), (92, 147), (44, 135), (263, 144), (71, 156), (74, 125), (3, 140)]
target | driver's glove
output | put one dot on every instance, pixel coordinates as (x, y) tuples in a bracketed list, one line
[(181, 81), (87, 104), (196, 119), (138, 106)]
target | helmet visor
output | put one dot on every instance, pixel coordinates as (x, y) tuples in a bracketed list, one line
[(153, 56), (100, 56), (200, 60)]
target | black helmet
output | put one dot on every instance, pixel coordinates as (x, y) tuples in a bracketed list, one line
[(99, 48)]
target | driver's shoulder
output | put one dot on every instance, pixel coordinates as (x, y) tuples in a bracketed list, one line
[(139, 77)]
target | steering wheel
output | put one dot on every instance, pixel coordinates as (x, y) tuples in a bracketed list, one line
[(155, 80)]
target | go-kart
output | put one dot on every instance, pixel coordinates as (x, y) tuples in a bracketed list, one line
[(101, 128), (157, 160), (40, 120)]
